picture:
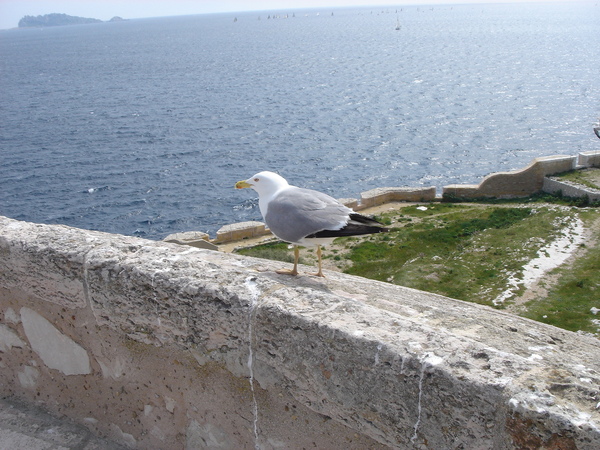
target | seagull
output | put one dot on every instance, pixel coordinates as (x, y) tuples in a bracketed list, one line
[(304, 217)]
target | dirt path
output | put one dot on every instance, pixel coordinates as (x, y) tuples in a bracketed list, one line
[(539, 289)]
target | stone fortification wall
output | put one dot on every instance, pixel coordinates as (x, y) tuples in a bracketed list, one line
[(519, 183), (381, 196), (164, 346)]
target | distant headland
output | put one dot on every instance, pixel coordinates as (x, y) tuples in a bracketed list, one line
[(57, 20)]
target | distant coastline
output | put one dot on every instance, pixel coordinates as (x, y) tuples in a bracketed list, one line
[(57, 20)]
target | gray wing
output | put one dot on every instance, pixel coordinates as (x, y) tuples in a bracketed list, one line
[(297, 212)]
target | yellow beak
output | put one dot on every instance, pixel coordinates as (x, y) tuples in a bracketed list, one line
[(242, 185)]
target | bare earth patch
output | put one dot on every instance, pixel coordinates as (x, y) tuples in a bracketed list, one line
[(537, 278)]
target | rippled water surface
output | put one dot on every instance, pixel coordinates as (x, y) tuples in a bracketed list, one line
[(142, 127)]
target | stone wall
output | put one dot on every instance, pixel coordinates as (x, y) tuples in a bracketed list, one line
[(566, 189), (519, 183), (381, 196), (157, 345), (241, 230), (589, 159)]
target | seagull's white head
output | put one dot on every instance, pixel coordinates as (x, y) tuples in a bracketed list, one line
[(265, 183)]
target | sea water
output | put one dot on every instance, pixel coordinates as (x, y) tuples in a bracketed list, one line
[(142, 127)]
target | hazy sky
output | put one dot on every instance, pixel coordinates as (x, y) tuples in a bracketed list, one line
[(11, 11)]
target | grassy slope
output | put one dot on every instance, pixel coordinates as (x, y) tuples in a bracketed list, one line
[(464, 252), (569, 301), (470, 252), (587, 177)]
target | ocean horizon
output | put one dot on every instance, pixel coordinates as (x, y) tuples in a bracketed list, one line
[(142, 127)]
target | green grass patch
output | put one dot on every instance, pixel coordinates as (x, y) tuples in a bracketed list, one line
[(569, 303), (461, 251)]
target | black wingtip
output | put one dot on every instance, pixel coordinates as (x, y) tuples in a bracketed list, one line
[(356, 217), (352, 229), (357, 226)]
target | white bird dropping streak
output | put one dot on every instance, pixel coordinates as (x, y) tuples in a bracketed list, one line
[(379, 347), (254, 293), (158, 322), (429, 360)]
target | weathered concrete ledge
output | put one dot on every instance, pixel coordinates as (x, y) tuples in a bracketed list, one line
[(193, 238), (151, 344), (380, 196), (241, 230), (588, 159)]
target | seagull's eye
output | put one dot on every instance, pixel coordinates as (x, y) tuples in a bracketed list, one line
[(256, 179)]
